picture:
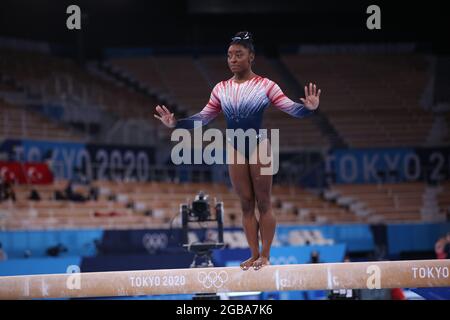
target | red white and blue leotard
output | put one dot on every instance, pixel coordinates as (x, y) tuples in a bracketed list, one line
[(243, 104)]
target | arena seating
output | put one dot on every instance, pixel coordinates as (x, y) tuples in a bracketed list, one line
[(382, 202), (371, 99), (133, 200), (20, 123), (155, 204), (55, 79)]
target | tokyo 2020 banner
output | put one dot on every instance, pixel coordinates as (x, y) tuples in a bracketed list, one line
[(389, 164)]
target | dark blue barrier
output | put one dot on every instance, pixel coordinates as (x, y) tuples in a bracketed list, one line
[(77, 242), (415, 237), (121, 242), (16, 267), (137, 262), (355, 237)]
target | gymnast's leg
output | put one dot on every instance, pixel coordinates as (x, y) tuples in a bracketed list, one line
[(242, 184), (262, 188)]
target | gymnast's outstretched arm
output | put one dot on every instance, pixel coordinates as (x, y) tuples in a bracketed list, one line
[(299, 110), (208, 113)]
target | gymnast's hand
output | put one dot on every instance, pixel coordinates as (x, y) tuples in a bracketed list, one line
[(311, 100), (166, 117)]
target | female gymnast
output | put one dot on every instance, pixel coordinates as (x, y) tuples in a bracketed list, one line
[(243, 99)]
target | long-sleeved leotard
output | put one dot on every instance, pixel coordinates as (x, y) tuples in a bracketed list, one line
[(243, 104)]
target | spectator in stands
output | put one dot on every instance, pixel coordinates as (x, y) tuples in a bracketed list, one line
[(278, 204), (59, 195), (315, 257), (130, 204), (440, 247), (252, 93), (47, 159), (232, 220), (148, 212), (27, 254), (93, 193), (55, 251), (295, 211), (68, 191), (447, 246), (71, 195), (7, 191), (10, 193), (80, 177), (98, 246), (34, 195), (3, 255)]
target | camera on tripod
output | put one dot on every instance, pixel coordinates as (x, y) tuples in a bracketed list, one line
[(200, 211)]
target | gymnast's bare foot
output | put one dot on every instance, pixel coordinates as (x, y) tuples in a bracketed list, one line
[(261, 262), (248, 263)]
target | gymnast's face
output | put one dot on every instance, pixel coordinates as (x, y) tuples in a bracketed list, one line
[(239, 58)]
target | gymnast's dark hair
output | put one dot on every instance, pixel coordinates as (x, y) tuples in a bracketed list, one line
[(245, 39)]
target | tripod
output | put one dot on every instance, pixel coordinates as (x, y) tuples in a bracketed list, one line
[(203, 251)]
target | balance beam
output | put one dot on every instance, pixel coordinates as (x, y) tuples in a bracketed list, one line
[(326, 276)]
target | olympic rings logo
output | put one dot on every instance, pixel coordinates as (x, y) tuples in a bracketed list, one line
[(212, 279), (154, 241)]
